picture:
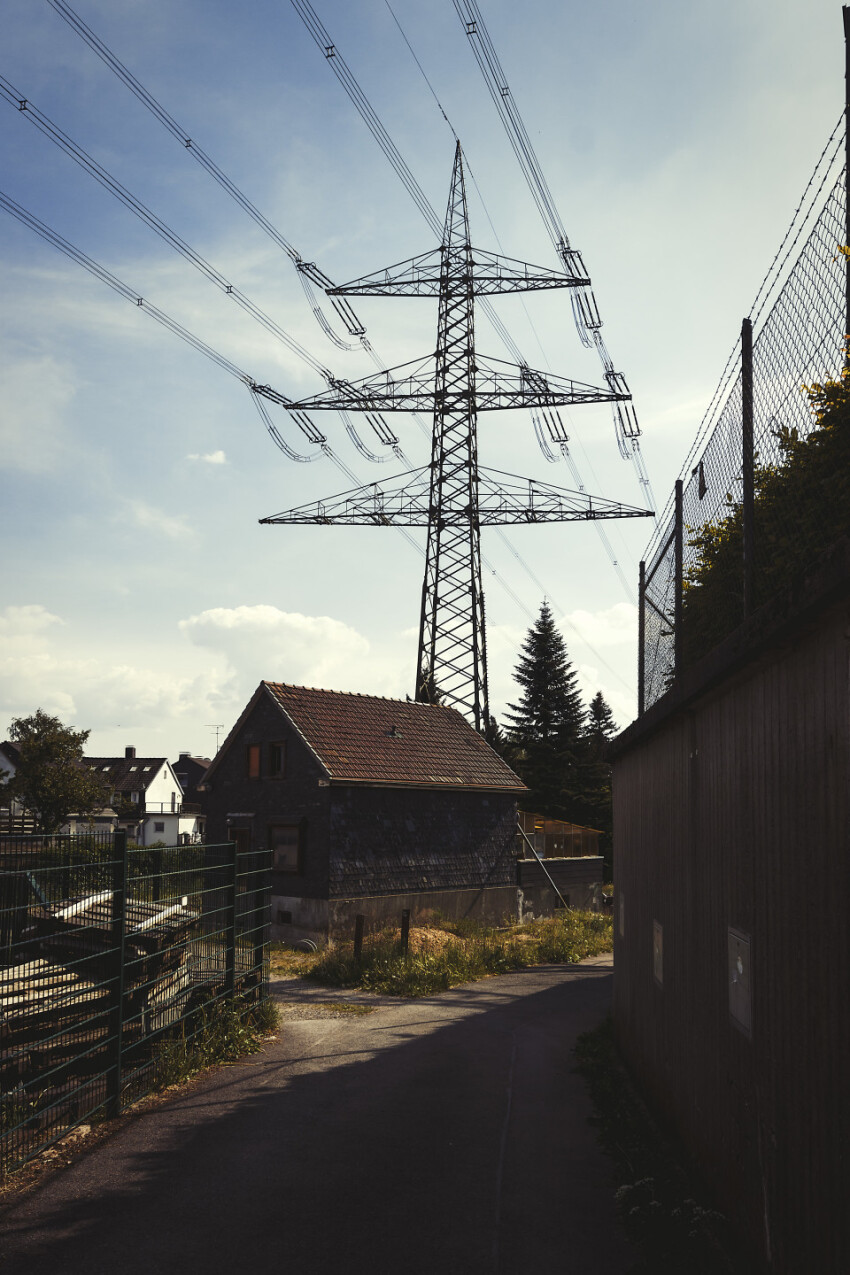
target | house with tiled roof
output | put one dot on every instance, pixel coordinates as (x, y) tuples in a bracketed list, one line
[(146, 798), (368, 805)]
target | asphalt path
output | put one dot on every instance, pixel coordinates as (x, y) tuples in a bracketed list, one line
[(445, 1135)]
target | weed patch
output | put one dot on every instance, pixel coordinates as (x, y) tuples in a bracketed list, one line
[(219, 1032), (447, 953), (658, 1202)]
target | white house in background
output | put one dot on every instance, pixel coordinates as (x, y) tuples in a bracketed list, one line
[(13, 817), (146, 799)]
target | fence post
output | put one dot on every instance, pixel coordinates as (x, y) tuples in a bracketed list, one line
[(678, 550), (230, 939), (359, 921), (641, 639), (846, 14), (405, 930), (261, 918), (748, 463), (117, 944)]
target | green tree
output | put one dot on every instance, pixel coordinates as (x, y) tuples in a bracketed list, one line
[(600, 726), (595, 804), (51, 782), (546, 726), (801, 508)]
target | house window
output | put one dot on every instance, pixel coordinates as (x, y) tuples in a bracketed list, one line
[(253, 761), (159, 827), (134, 796), (277, 760), (242, 837), (285, 845)]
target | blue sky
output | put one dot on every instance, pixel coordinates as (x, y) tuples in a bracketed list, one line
[(141, 599)]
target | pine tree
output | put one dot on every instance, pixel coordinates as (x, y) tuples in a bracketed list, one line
[(546, 726), (600, 726), (595, 776)]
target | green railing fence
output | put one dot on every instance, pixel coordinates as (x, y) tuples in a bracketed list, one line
[(110, 954)]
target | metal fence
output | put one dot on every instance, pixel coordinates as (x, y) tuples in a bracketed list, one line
[(797, 333), (114, 960)]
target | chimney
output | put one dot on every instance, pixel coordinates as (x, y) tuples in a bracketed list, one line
[(182, 755), (129, 751)]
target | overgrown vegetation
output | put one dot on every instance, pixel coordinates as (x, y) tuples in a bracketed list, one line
[(662, 1208), (221, 1031), (802, 507), (446, 953)]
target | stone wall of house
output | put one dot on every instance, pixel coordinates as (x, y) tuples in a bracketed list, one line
[(399, 841), (234, 802), (579, 881)]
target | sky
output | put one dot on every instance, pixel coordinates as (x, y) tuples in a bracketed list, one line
[(141, 599)]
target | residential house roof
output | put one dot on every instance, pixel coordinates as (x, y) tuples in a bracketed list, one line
[(127, 774), (369, 739)]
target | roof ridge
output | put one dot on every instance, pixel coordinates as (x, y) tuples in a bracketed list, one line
[(387, 699)]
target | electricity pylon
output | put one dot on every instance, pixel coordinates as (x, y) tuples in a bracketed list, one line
[(454, 497)]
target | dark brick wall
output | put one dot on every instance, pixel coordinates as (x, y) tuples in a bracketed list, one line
[(297, 798), (391, 841), (579, 881)]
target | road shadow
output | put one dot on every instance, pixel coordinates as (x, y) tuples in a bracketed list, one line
[(443, 1135)]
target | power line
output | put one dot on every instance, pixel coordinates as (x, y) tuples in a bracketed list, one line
[(306, 270)]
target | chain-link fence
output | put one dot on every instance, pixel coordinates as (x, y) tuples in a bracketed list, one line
[(113, 960), (798, 326)]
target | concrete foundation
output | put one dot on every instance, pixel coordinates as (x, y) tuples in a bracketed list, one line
[(579, 881)]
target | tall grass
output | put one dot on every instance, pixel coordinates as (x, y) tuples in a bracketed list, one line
[(462, 952)]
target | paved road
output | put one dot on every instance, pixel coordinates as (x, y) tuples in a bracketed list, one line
[(446, 1136)]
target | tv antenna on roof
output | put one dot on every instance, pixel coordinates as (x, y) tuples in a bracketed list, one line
[(217, 727)]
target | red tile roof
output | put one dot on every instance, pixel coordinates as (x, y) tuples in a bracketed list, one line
[(364, 738)]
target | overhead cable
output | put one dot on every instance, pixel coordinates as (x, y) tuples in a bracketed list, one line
[(305, 268)]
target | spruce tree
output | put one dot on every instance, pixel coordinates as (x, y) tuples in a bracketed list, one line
[(600, 726), (595, 776), (546, 726)]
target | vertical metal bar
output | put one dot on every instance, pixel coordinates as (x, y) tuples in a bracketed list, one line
[(405, 930), (117, 944), (642, 640), (679, 580), (748, 463), (158, 865), (262, 918), (230, 937), (845, 10), (359, 921)]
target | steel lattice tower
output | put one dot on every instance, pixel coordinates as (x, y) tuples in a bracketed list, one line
[(454, 496), (451, 629)]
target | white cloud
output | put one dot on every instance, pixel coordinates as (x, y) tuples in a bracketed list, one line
[(615, 626), (210, 458), (23, 622), (40, 669), (263, 642), (149, 518)]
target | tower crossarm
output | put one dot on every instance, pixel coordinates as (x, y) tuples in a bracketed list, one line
[(491, 273), (498, 385), (504, 500)]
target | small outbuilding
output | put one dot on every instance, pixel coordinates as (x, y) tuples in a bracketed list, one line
[(368, 805)]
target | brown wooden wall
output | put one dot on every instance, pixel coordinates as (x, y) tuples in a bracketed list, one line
[(733, 813)]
